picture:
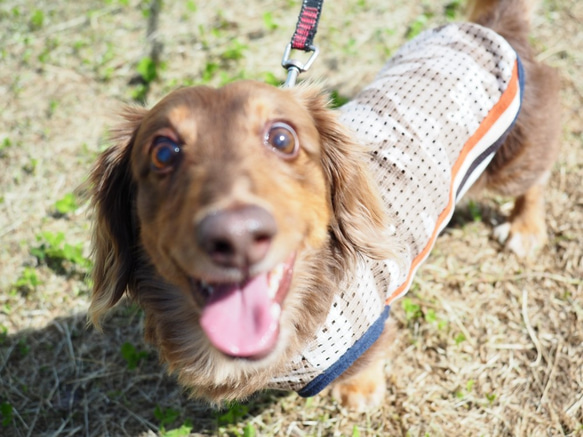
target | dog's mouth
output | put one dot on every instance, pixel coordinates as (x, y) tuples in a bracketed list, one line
[(242, 319)]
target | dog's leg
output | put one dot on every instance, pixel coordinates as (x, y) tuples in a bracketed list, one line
[(525, 232), (523, 163), (363, 385), (364, 390)]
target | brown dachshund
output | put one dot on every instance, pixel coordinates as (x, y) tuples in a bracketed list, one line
[(232, 215)]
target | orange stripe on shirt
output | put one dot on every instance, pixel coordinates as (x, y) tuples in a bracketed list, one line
[(499, 108)]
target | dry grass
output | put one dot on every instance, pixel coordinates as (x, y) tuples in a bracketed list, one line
[(488, 345)]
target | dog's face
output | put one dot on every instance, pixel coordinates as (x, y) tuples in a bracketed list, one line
[(229, 190), (230, 214)]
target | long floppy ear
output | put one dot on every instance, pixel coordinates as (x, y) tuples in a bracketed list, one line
[(115, 230), (359, 226)]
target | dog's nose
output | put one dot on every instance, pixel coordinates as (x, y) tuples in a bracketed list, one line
[(237, 237)]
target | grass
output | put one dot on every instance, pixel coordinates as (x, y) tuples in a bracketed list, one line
[(486, 345)]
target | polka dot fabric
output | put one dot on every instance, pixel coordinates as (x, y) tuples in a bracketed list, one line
[(431, 120)]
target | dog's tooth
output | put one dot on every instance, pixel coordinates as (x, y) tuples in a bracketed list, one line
[(272, 288), (275, 310), (273, 280)]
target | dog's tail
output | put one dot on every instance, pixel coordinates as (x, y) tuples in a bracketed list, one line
[(508, 18), (505, 17)]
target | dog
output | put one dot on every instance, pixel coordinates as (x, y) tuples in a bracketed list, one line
[(247, 221)]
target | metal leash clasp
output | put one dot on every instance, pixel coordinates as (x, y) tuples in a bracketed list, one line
[(295, 67)]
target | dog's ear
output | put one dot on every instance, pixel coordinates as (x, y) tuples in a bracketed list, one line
[(115, 229), (358, 226)]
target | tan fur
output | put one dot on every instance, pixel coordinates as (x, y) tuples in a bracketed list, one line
[(327, 212)]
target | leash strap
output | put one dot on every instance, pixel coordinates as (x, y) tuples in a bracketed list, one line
[(303, 39), (307, 26)]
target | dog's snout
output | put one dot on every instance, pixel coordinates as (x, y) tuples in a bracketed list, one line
[(237, 237)]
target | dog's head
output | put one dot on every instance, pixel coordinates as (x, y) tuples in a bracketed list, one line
[(231, 215)]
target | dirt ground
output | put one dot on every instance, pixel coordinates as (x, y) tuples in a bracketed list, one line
[(488, 345)]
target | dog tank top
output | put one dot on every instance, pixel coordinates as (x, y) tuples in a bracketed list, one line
[(432, 120)]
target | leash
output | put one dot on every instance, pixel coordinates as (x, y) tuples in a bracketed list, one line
[(302, 39)]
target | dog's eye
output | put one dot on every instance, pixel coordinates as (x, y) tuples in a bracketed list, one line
[(282, 138), (164, 154)]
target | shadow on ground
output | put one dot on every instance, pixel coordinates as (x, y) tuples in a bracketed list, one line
[(68, 379)]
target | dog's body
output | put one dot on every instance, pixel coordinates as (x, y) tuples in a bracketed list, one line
[(234, 215)]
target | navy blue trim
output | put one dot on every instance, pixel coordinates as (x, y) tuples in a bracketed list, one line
[(350, 356), (494, 147)]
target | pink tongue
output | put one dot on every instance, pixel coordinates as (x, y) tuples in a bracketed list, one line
[(238, 319)]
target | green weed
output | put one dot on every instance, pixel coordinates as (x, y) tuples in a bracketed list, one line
[(7, 413), (459, 339), (27, 281), (249, 430), (350, 47), (418, 25), (167, 416), (148, 70), (131, 355), (4, 146), (67, 204), (226, 78), (269, 22), (453, 8), (118, 2), (183, 431), (191, 6), (337, 100), (80, 44), (37, 20), (53, 105), (490, 397), (412, 310), (210, 70), (234, 413), (234, 51), (50, 45), (23, 347), (460, 394), (271, 79), (431, 317), (475, 211), (30, 167), (140, 92), (3, 334), (54, 251)]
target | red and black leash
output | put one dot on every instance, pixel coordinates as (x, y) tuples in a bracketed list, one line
[(303, 39)]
